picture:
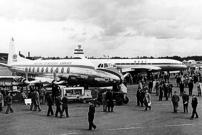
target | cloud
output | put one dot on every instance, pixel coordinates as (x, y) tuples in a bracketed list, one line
[(111, 26), (160, 19), (67, 29), (94, 37), (46, 10)]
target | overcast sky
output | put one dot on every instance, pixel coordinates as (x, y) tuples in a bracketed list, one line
[(126, 28)]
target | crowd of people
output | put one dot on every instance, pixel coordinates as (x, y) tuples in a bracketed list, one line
[(161, 87), (164, 89)]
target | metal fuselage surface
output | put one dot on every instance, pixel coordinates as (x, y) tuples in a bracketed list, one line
[(141, 64), (74, 71)]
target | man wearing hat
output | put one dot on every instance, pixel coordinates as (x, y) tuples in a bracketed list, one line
[(194, 104), (91, 115), (185, 99)]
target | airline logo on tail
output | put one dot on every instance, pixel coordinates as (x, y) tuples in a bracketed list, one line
[(15, 57)]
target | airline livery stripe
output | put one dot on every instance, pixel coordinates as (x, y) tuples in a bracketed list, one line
[(77, 66), (148, 64)]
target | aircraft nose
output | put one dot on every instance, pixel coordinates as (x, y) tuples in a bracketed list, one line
[(184, 66)]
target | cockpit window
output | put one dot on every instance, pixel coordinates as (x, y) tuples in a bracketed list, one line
[(105, 65)]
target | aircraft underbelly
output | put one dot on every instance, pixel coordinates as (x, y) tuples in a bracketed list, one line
[(75, 76)]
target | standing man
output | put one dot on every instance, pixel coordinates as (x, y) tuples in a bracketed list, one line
[(191, 86), (33, 103), (175, 100), (185, 99), (110, 103), (50, 104), (150, 86), (1, 101), (37, 100), (54, 92), (9, 103), (170, 89), (104, 101), (138, 94), (157, 87), (181, 88), (166, 90), (65, 105), (91, 115), (58, 103), (194, 104), (42, 93), (161, 92)]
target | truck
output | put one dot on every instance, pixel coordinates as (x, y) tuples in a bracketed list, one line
[(76, 93), (119, 94)]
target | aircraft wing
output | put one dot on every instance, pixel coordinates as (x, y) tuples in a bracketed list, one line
[(148, 68), (11, 80), (4, 65), (10, 77)]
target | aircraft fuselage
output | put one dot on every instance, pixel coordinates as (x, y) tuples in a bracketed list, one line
[(73, 71)]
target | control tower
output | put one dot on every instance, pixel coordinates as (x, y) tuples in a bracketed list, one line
[(78, 52)]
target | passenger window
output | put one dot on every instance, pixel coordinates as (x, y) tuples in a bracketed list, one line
[(29, 69), (68, 70), (56, 70), (47, 70), (42, 69), (26, 69), (38, 69), (33, 69), (62, 70), (105, 65)]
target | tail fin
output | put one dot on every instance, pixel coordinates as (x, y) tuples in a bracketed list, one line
[(78, 52), (13, 55)]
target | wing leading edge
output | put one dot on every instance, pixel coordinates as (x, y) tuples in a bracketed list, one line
[(149, 68)]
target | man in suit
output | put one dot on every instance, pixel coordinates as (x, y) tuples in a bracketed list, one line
[(191, 86), (185, 99), (194, 104), (1, 101), (110, 103), (58, 103), (50, 104), (9, 103), (65, 105), (37, 100), (175, 100), (91, 115)]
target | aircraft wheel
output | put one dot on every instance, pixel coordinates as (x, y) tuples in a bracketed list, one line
[(119, 101), (126, 100)]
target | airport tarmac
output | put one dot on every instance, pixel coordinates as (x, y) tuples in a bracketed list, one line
[(127, 119)]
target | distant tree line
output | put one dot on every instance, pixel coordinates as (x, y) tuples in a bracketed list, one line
[(4, 56)]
